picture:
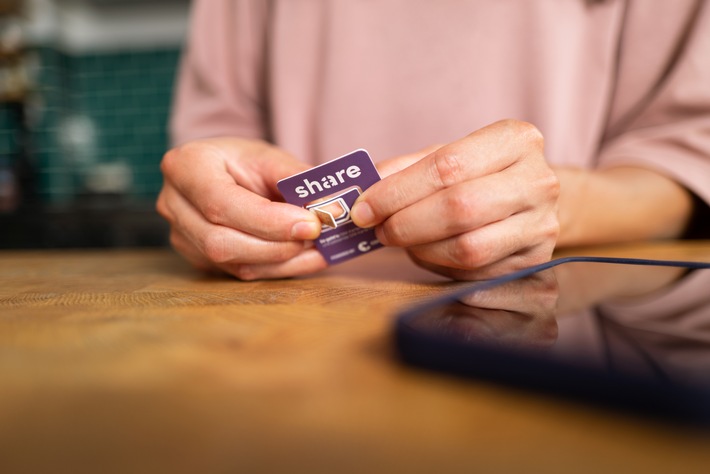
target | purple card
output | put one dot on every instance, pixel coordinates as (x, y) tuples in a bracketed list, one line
[(329, 191)]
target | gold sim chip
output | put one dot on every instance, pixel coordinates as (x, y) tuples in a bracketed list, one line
[(329, 213)]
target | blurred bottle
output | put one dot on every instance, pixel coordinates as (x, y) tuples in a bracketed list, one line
[(14, 88)]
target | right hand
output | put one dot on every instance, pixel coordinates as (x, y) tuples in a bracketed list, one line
[(219, 196), (473, 209)]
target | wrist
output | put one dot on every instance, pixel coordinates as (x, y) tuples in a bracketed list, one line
[(620, 205), (572, 205)]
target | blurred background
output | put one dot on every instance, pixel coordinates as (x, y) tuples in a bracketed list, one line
[(85, 90)]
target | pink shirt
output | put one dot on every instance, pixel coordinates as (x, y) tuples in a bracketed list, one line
[(608, 82)]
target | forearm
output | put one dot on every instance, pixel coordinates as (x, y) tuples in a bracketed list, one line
[(620, 204)]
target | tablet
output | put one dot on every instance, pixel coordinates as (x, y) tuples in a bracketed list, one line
[(627, 334)]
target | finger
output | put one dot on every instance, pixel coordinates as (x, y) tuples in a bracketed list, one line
[(235, 207), (254, 164), (507, 241), (184, 247), (398, 163), (220, 244), (488, 150), (455, 210), (307, 262), (211, 188), (496, 269)]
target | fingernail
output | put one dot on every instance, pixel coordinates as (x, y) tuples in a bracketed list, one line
[(362, 214), (305, 230)]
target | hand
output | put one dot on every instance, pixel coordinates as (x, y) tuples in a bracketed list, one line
[(476, 208), (219, 198)]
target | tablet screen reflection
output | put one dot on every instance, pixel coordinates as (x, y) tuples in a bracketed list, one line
[(636, 322)]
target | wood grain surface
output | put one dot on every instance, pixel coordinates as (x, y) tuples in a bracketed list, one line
[(130, 361)]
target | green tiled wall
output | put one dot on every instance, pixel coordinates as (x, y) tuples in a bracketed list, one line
[(123, 96), (48, 104)]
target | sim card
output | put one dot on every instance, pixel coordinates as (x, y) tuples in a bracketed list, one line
[(329, 191)]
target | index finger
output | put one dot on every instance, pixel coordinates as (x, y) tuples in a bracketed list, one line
[(483, 152), (215, 193)]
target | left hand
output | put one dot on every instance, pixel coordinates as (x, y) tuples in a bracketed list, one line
[(473, 209)]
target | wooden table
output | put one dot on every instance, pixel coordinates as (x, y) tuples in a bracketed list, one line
[(130, 361)]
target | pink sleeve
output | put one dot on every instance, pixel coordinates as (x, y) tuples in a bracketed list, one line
[(660, 118), (220, 87)]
